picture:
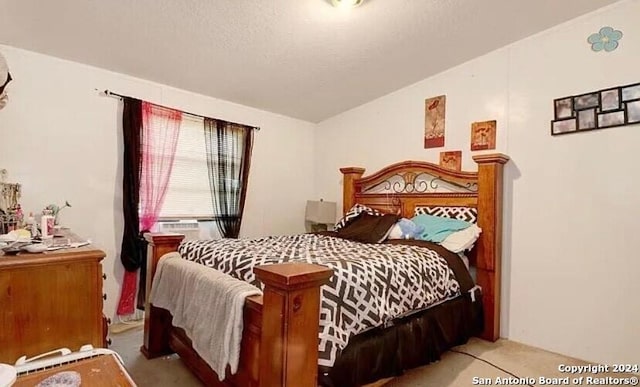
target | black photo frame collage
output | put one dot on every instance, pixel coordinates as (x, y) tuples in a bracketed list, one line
[(607, 108)]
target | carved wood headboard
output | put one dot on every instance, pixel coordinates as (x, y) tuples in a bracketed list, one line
[(401, 187)]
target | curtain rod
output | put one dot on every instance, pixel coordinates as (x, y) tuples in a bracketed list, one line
[(110, 93)]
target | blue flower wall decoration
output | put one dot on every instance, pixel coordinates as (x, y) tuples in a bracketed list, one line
[(606, 39)]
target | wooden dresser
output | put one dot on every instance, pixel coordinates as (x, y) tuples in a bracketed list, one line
[(50, 301)]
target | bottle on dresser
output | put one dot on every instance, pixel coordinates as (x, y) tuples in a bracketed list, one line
[(46, 224), (31, 225)]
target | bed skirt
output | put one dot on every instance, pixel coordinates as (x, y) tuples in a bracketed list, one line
[(411, 342)]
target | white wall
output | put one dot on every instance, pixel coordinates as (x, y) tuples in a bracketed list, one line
[(62, 141), (571, 202)]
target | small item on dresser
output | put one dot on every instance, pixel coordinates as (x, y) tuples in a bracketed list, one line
[(12, 248), (31, 225), (58, 243), (80, 244), (35, 248), (47, 224), (13, 242), (15, 236)]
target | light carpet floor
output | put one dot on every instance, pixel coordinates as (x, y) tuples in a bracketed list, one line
[(454, 369)]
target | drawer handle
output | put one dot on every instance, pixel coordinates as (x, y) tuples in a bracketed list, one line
[(108, 342), (104, 276), (108, 321), (104, 296)]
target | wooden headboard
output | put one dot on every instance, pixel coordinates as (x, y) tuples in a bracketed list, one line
[(401, 187)]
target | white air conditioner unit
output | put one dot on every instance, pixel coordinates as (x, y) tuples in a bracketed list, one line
[(190, 228)]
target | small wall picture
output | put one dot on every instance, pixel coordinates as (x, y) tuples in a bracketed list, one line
[(434, 119), (610, 99), (564, 108), (631, 92), (587, 119), (633, 111), (586, 101), (451, 160), (611, 119), (483, 135), (563, 126)]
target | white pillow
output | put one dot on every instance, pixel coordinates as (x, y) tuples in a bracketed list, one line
[(395, 232), (462, 240)]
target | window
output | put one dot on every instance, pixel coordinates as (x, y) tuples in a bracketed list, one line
[(189, 194)]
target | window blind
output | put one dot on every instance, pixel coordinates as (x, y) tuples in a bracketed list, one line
[(188, 193)]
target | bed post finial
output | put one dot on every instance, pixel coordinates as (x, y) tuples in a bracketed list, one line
[(350, 175), (290, 314), (489, 245)]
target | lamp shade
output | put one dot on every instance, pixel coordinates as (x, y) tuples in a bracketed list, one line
[(320, 212)]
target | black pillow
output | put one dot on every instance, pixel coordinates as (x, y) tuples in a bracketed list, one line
[(367, 228)]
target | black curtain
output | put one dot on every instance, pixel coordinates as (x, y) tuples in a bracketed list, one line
[(229, 149), (133, 250)]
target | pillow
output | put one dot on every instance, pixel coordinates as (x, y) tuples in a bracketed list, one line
[(462, 240), (436, 228), (353, 213), (468, 214), (368, 228), (405, 229)]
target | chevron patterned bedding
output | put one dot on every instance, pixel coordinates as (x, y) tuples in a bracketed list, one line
[(372, 283)]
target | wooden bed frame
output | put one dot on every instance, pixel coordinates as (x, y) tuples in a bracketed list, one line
[(280, 336)]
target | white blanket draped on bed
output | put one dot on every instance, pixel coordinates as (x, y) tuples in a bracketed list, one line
[(207, 304)]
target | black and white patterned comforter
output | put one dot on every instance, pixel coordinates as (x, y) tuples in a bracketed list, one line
[(372, 283)]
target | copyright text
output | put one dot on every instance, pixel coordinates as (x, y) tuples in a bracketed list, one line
[(566, 381)]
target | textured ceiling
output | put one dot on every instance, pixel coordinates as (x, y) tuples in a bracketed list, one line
[(300, 58)]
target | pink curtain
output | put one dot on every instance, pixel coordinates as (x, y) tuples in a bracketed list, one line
[(126, 305), (160, 129)]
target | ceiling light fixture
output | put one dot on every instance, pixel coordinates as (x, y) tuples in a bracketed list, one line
[(346, 3)]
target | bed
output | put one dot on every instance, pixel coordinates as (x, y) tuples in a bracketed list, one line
[(280, 341)]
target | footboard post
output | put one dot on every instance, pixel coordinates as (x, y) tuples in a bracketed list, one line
[(290, 323), (157, 321)]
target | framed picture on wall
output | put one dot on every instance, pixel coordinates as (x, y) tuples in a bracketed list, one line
[(631, 92), (633, 111), (587, 119), (563, 126), (586, 101), (434, 119), (610, 100), (451, 160), (483, 135), (606, 120), (563, 108)]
